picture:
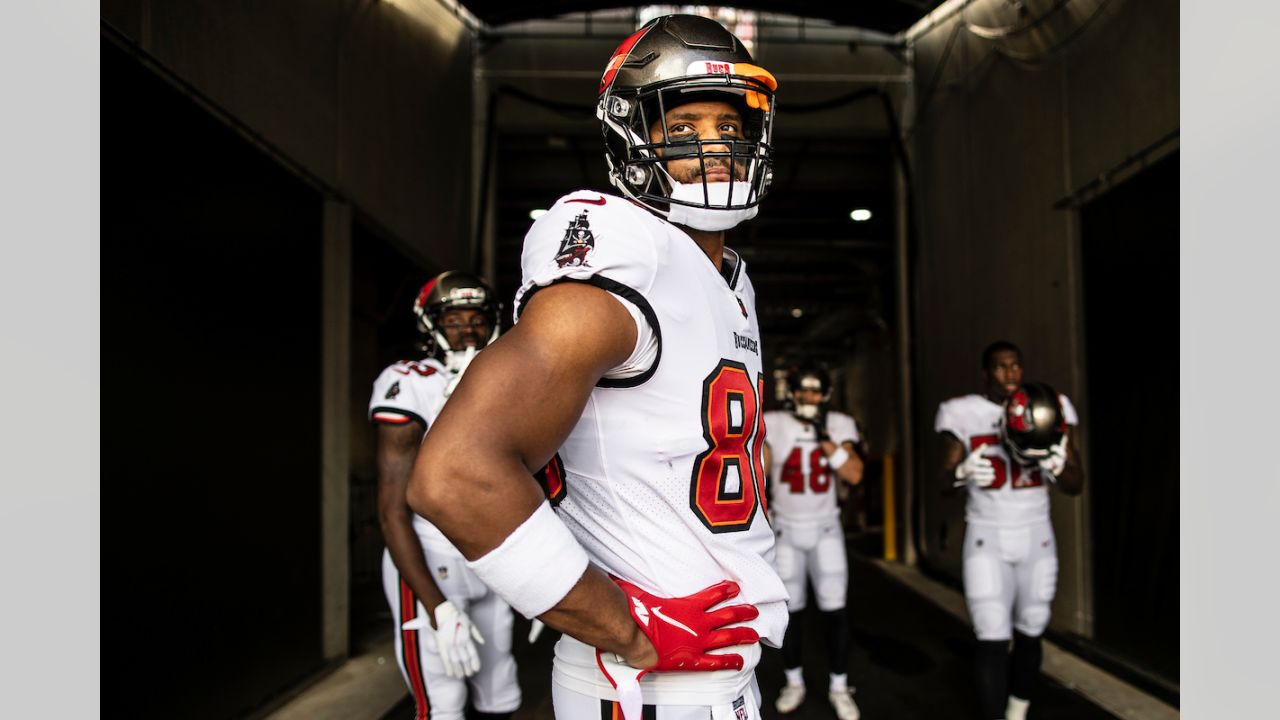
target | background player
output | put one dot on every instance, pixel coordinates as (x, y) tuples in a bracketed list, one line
[(1010, 558), (449, 626), (812, 445), (635, 368)]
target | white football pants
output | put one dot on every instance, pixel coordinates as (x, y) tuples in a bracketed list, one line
[(814, 550), (1010, 576), (494, 688)]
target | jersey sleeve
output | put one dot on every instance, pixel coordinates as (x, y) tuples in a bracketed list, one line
[(1068, 410), (948, 420), (772, 419), (841, 428), (406, 392), (598, 239)]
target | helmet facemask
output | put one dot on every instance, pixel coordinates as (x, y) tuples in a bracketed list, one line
[(808, 411), (664, 75), (454, 291)]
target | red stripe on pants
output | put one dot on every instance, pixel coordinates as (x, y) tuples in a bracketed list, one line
[(412, 658)]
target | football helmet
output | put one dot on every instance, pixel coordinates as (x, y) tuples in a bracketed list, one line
[(1032, 423), (448, 291), (671, 61), (808, 377)]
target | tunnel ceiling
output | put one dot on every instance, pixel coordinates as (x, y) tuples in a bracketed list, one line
[(888, 16)]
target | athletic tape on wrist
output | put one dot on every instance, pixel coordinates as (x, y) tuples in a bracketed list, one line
[(536, 566), (838, 458)]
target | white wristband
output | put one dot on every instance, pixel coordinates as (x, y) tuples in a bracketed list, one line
[(838, 458), (536, 566)]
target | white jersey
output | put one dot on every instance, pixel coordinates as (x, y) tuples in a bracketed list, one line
[(1019, 496), (663, 471), (801, 482), (408, 391)]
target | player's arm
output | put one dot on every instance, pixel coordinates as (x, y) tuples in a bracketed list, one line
[(1071, 481), (517, 404), (844, 459), (952, 453), (768, 458), (397, 446)]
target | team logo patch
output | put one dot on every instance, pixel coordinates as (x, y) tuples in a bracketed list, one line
[(578, 241), (1018, 415), (443, 572), (742, 306), (393, 391), (740, 708)]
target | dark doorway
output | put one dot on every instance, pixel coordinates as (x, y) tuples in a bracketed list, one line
[(211, 394), (1130, 253)]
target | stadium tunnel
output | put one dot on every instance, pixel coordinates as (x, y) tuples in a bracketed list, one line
[(280, 178)]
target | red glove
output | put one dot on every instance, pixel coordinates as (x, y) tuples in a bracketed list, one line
[(682, 630)]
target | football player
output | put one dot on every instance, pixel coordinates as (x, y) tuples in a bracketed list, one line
[(451, 630), (634, 369), (815, 446), (1010, 559)]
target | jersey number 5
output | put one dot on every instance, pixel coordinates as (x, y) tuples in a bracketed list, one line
[(1020, 480), (725, 488)]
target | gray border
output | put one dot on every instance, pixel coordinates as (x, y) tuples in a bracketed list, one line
[(1229, 495), (49, 295)]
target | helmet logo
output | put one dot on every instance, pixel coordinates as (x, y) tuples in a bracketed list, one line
[(1017, 417), (578, 241), (462, 294), (758, 75)]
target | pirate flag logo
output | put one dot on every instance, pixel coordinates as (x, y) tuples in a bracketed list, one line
[(393, 391), (577, 242)]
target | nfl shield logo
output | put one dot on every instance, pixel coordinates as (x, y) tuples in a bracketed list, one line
[(739, 709)]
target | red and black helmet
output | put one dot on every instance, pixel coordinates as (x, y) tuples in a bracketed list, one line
[(454, 290), (809, 376), (1033, 422), (671, 61)]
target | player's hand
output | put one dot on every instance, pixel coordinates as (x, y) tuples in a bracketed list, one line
[(455, 639), (976, 470), (1057, 460), (683, 630)]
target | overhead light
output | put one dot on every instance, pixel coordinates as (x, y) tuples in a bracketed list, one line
[(797, 312), (860, 215), (535, 214)]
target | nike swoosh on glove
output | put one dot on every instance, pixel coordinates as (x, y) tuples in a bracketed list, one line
[(682, 630)]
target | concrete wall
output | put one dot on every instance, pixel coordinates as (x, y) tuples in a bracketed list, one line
[(370, 102), (371, 97), (996, 144)]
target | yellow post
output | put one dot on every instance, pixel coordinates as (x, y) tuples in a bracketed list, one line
[(890, 512)]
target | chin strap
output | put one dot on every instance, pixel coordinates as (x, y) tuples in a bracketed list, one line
[(716, 217)]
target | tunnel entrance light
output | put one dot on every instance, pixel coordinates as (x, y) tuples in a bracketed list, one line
[(860, 215), (535, 214)]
